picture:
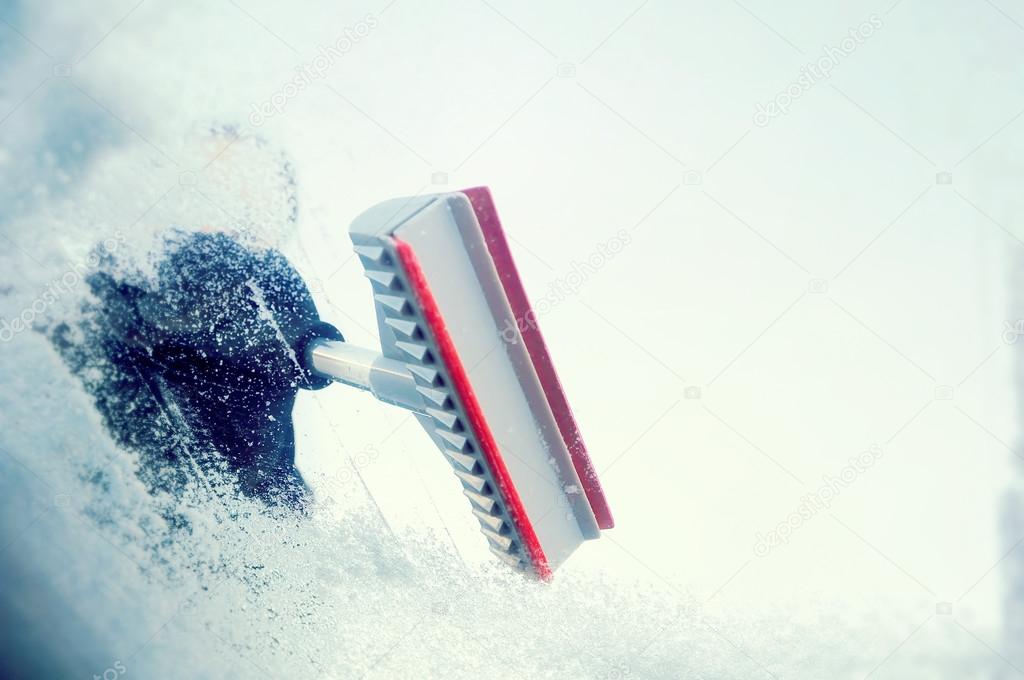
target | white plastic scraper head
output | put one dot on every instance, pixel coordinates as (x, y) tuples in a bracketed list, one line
[(451, 308)]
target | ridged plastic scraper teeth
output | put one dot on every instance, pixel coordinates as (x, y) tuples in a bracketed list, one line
[(485, 503), (474, 482), (457, 441), (497, 539), (425, 375), (416, 351), (460, 459), (407, 328), (491, 521), (395, 303), (385, 278), (445, 286), (511, 560), (435, 397), (444, 418), (412, 342), (373, 254)]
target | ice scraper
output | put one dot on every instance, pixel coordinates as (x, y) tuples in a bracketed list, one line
[(461, 348)]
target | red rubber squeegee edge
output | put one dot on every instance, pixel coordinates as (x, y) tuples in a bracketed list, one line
[(462, 386)]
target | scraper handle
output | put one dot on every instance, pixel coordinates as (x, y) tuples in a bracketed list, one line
[(387, 379)]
